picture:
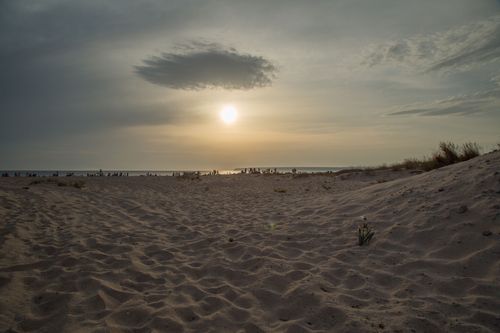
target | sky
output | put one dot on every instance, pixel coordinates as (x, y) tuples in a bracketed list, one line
[(139, 85)]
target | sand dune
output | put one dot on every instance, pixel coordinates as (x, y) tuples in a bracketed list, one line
[(254, 253)]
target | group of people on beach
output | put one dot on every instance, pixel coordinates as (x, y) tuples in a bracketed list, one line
[(258, 171), (20, 174), (109, 174)]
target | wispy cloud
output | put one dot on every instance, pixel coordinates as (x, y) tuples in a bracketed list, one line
[(457, 49), (202, 65), (467, 104)]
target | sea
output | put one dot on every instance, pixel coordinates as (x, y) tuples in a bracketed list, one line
[(135, 173)]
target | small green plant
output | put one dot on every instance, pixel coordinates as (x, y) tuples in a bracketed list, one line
[(365, 233), (272, 226)]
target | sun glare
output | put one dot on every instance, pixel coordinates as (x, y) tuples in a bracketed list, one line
[(228, 114)]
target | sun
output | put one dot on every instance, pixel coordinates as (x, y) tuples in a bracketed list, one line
[(228, 114)]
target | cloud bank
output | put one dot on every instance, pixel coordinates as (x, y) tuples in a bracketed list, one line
[(201, 66), (457, 49)]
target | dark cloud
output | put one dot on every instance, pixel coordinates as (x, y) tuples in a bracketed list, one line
[(201, 66), (457, 49)]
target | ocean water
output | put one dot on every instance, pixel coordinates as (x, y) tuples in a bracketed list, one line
[(135, 173)]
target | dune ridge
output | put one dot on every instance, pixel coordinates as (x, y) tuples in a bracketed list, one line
[(254, 253)]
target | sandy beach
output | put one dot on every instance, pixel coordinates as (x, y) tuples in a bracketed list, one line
[(254, 253)]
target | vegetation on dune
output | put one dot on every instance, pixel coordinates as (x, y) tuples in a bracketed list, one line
[(448, 153)]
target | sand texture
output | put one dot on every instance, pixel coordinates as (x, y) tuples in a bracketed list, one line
[(254, 253)]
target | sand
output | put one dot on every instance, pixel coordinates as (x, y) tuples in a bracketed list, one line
[(254, 253)]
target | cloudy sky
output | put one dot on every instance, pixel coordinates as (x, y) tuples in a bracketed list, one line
[(131, 84)]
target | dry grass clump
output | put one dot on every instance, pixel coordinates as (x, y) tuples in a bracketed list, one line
[(470, 150), (448, 153), (348, 171), (79, 184)]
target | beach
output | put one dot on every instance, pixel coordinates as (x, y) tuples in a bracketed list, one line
[(254, 253)]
